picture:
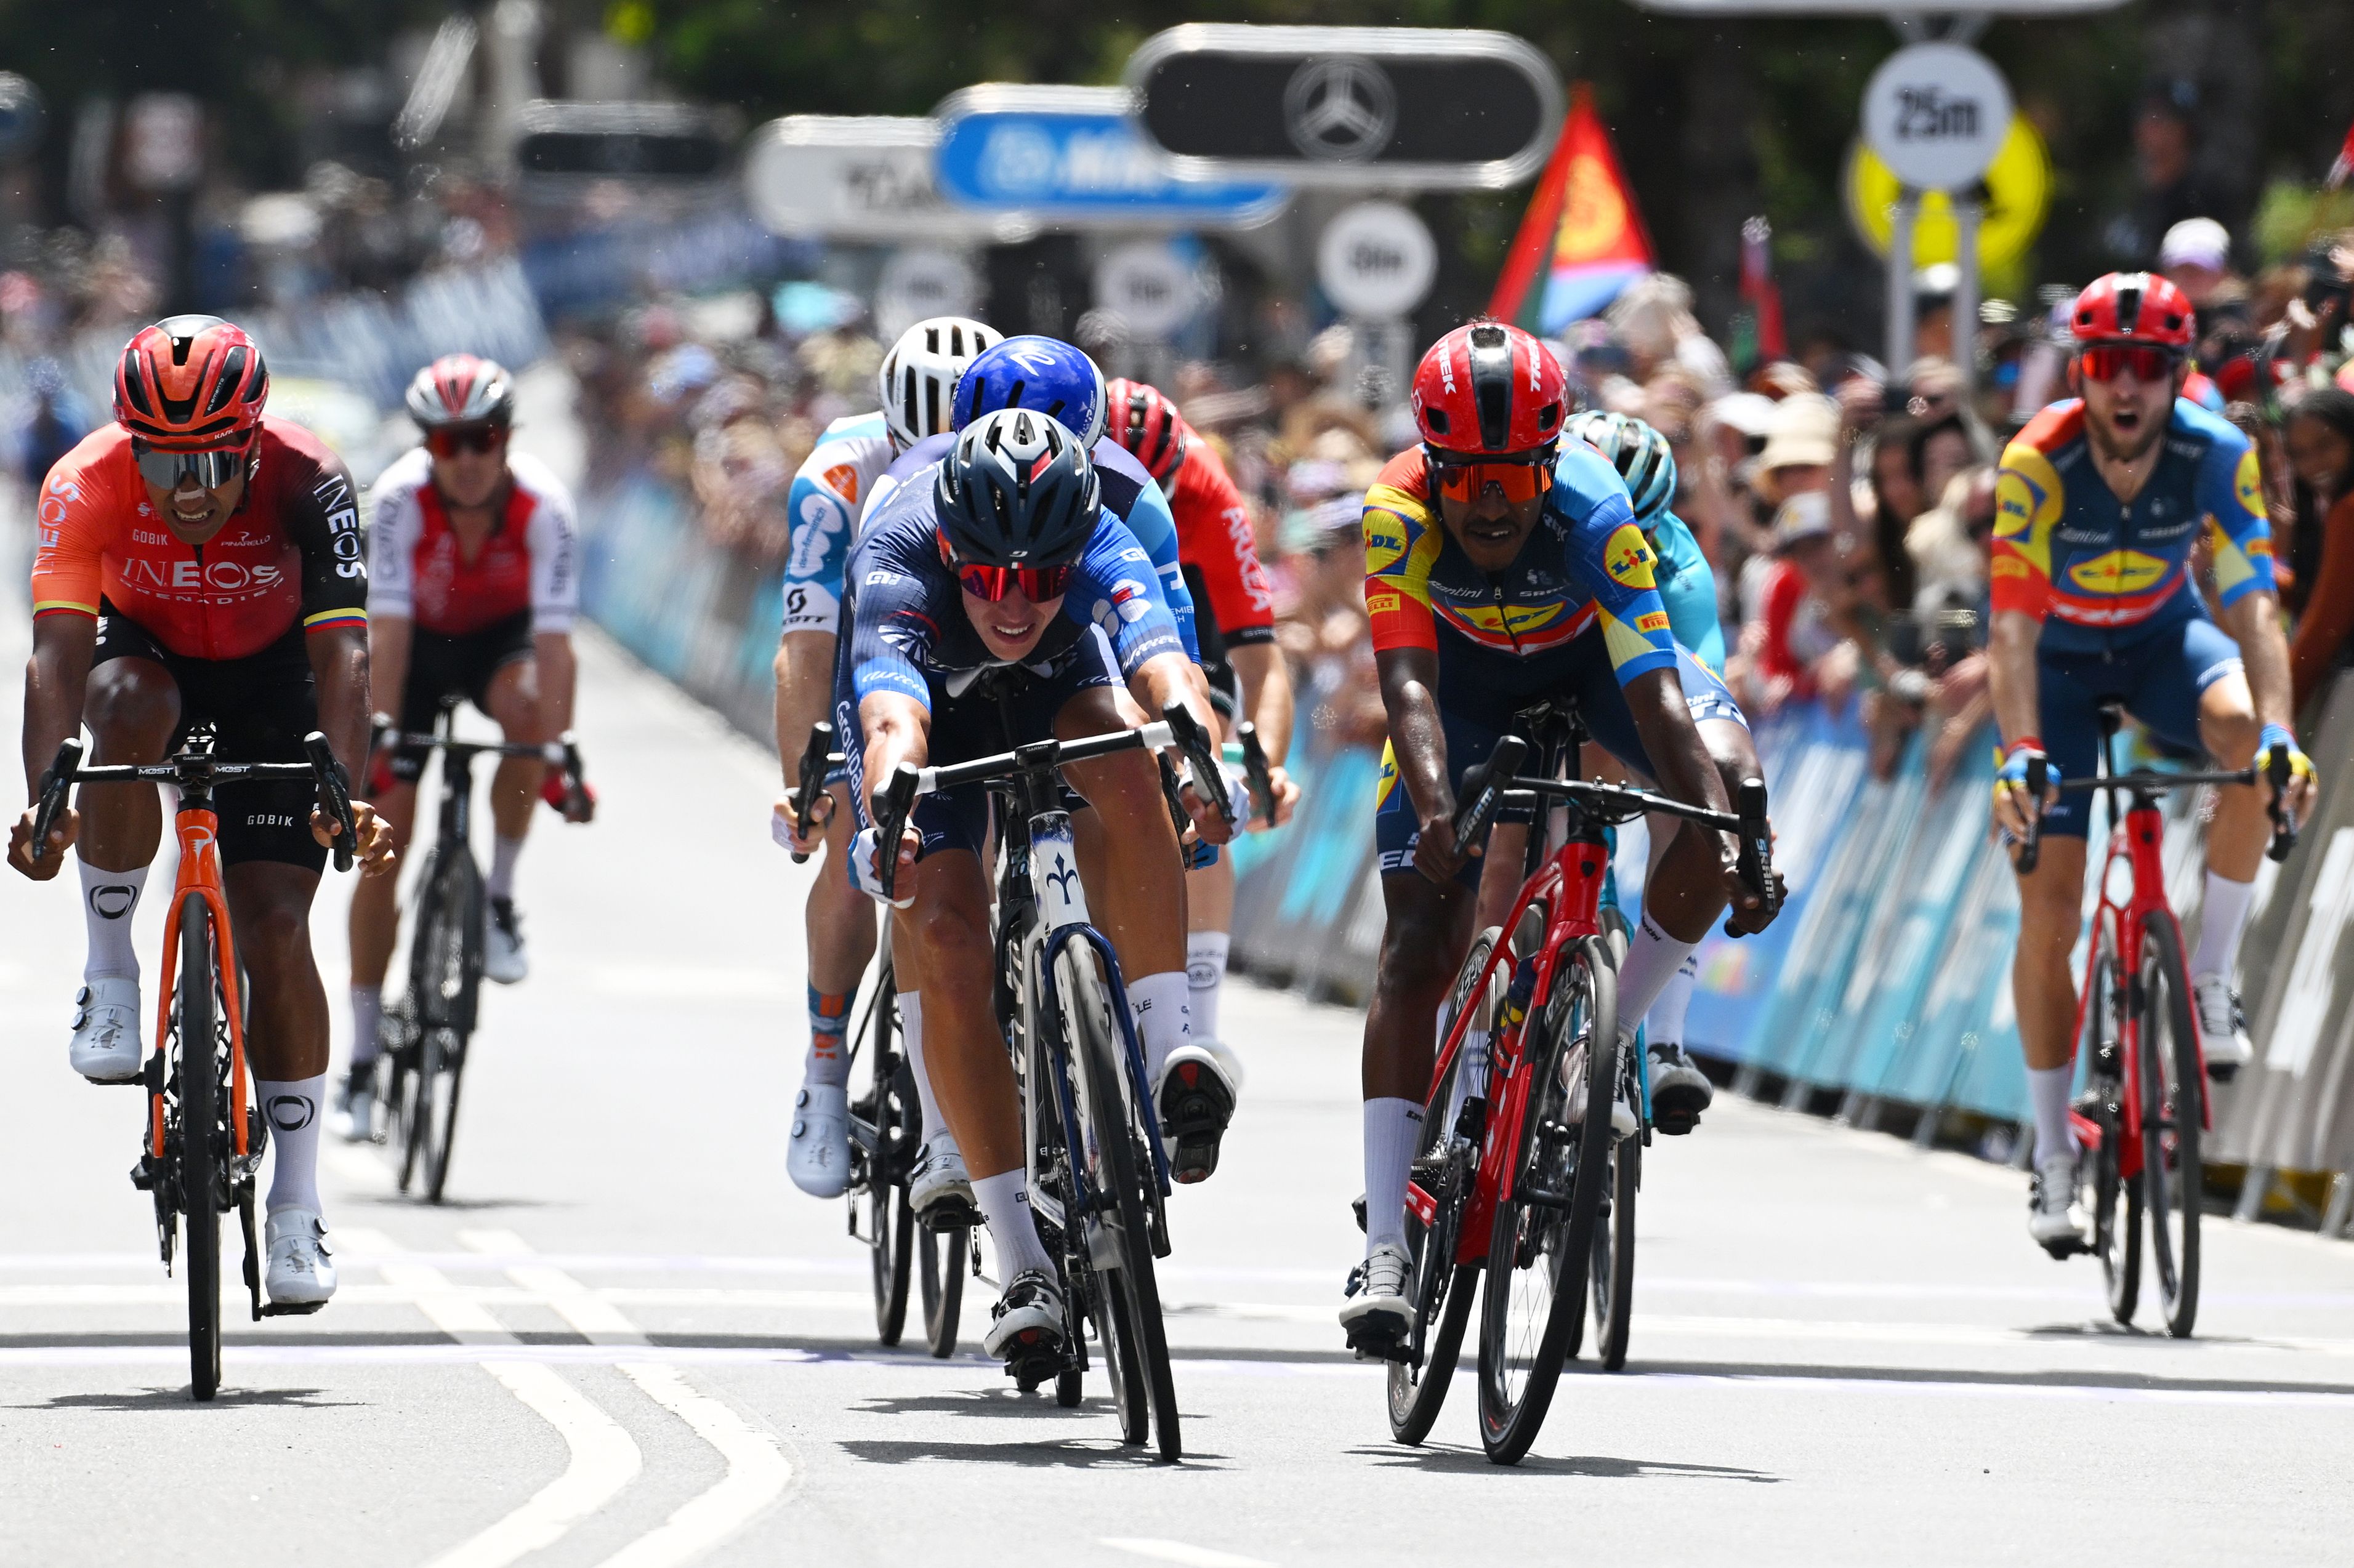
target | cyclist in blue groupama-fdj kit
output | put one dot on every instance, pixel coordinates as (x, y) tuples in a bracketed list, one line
[(1504, 566), (832, 492), (971, 603), (2099, 504)]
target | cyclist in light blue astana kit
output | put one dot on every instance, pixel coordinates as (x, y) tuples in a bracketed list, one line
[(833, 490)]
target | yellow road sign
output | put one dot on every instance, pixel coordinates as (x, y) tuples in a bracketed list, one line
[(2018, 193)]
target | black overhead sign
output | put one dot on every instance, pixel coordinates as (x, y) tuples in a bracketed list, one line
[(618, 141), (1348, 106)]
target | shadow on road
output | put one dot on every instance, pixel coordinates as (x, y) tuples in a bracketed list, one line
[(176, 1398), (1443, 1458), (1098, 1454), (1008, 1403)]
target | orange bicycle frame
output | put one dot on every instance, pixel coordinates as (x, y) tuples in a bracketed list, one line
[(198, 830)]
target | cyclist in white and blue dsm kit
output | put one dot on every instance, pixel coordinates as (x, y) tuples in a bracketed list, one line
[(998, 605), (831, 492)]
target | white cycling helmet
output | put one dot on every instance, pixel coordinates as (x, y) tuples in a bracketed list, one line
[(918, 382), (461, 390)]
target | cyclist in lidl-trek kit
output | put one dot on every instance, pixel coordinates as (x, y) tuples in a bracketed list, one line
[(2099, 504), (200, 563)]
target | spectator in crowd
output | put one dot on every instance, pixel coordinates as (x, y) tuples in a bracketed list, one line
[(2197, 255), (1653, 319), (2320, 441), (1790, 635), (2165, 135)]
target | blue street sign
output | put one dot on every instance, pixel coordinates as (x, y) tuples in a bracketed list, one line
[(1073, 153)]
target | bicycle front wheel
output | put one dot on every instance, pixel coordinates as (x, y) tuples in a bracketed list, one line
[(2173, 1108), (1119, 1165), (1544, 1231), (2116, 1204), (445, 974), (1446, 1165), (890, 1220), (1614, 1257), (203, 1153), (943, 1258)]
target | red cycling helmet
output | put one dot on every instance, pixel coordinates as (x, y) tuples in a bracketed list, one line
[(2133, 308), (1489, 389), (190, 384), (1147, 424), (461, 390)]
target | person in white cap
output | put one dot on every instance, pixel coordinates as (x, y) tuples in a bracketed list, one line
[(2196, 257)]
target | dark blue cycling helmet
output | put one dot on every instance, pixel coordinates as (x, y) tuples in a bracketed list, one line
[(1032, 372), (1017, 490)]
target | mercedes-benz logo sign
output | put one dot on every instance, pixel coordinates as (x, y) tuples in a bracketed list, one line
[(1340, 108)]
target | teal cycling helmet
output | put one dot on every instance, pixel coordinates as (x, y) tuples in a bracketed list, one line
[(1640, 455)]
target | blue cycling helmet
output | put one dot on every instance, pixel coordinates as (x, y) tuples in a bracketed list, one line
[(1640, 455), (1032, 372), (1017, 490)]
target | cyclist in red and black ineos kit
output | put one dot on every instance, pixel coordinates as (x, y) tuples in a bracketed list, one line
[(1234, 623), (476, 573), (200, 562)]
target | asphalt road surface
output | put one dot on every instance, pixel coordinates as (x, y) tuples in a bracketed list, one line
[(626, 1341)]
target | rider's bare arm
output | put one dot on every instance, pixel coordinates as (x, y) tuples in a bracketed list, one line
[(388, 638), (54, 679), (804, 692), (2254, 622), (1266, 699), (2010, 682), (559, 678)]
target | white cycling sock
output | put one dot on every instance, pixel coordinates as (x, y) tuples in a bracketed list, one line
[(1163, 1017), (1205, 973), (367, 1014), (827, 1061), (1004, 1202), (504, 852), (1652, 959), (1666, 1018), (911, 1034), (1393, 1133), (2222, 915), (292, 1108), (109, 899), (2047, 1088)]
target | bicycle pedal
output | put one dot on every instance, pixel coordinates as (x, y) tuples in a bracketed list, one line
[(291, 1309), (2065, 1247), (948, 1215), (1381, 1345)]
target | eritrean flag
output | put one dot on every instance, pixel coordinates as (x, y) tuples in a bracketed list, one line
[(1581, 237)]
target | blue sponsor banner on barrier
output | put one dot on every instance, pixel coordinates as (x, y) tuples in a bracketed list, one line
[(1073, 152)]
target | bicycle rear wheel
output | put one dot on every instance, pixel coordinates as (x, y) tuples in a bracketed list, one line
[(1444, 1167), (1544, 1232), (2117, 1205), (1117, 1168), (197, 1066), (2173, 1105), (943, 1258)]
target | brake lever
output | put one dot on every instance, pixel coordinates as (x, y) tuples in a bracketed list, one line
[(1255, 768), (890, 806), (1209, 778), (334, 794), (2030, 848), (818, 759), (1756, 849), (1484, 785), (2276, 770), (56, 780)]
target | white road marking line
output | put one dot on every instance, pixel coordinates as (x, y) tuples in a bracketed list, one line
[(603, 1460), (757, 1474), (1178, 1552)]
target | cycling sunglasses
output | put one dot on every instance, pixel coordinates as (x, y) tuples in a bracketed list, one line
[(451, 440), (1521, 478), (1038, 584), (168, 470), (2102, 361)]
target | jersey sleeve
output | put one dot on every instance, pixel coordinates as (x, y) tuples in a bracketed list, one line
[(893, 627), (1213, 534), (823, 505), (1402, 542), (1605, 548), (554, 562), (324, 521), (1118, 588), (1155, 527), (2232, 499), (2028, 503), (395, 520), (67, 560)]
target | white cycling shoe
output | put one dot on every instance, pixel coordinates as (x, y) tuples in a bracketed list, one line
[(1379, 1319), (818, 1157), (2222, 1027), (1229, 1060), (302, 1269), (106, 1048), (2054, 1216), (1027, 1321), (503, 957), (939, 1190), (1573, 1079), (354, 1119)]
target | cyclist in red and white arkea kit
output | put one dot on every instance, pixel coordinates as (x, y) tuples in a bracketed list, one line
[(475, 566), (1235, 625), (200, 563)]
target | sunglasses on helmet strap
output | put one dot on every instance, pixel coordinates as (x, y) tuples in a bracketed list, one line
[(1038, 584), (1521, 478), (169, 470)]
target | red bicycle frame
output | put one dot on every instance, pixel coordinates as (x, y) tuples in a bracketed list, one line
[(2136, 843), (1570, 886), (198, 830)]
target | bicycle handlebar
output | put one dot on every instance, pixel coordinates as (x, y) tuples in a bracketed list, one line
[(334, 785), (2275, 768), (818, 759)]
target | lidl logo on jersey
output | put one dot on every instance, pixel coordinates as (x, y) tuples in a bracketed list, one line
[(2119, 572), (1511, 622), (1628, 557), (2248, 484), (1384, 540)]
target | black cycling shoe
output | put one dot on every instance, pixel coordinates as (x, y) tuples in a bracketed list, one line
[(1197, 1104), (1026, 1324)]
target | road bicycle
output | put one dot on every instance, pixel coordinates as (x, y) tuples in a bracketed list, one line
[(1514, 1173), (427, 1028), (1096, 1171), (204, 1138), (2139, 1036)]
